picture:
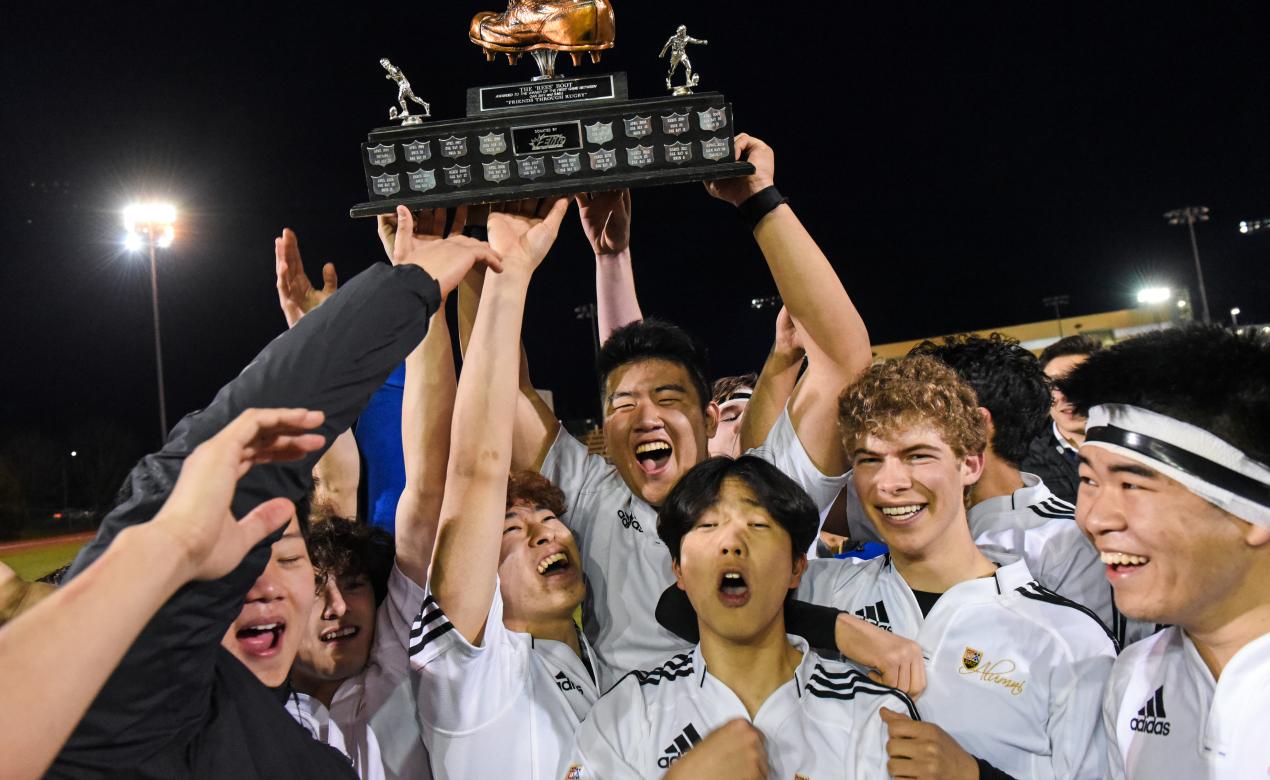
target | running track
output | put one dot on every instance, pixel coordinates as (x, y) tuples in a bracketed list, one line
[(48, 541)]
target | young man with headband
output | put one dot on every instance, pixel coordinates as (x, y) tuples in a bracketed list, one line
[(1175, 494)]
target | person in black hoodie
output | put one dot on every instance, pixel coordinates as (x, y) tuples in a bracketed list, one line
[(179, 704)]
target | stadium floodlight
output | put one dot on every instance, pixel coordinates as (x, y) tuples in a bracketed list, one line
[(1234, 317), (1154, 295), (1189, 215), (1250, 226), (153, 225), (1181, 303)]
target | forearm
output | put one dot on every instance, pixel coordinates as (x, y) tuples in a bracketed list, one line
[(812, 291), (55, 658), (337, 475), (616, 301), (771, 394), (427, 411)]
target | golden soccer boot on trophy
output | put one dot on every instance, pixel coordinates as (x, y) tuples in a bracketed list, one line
[(573, 26)]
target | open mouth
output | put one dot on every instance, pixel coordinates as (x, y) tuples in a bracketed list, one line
[(336, 634), (653, 456), (555, 563), (1120, 563), (901, 514), (262, 639), (733, 590)]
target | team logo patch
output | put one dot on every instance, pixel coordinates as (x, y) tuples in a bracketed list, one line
[(1151, 718), (574, 772), (685, 741), (995, 672), (971, 658)]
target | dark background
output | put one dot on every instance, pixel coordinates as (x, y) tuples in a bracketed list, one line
[(957, 162)]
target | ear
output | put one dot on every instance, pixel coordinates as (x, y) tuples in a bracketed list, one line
[(989, 426), (712, 419), (971, 468), (800, 567), (679, 575), (1257, 535)]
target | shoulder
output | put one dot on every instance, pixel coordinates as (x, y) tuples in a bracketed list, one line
[(834, 682), (673, 672), (1053, 508), (1071, 624)]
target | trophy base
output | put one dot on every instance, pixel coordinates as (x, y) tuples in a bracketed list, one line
[(579, 139)]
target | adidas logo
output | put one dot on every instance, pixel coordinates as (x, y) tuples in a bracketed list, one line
[(1150, 719), (682, 744), (876, 615), (564, 683)]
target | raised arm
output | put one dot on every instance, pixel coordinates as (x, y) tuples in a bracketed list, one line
[(606, 220), (465, 558), (775, 383), (835, 338)]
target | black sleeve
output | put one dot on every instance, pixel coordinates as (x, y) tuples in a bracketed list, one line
[(812, 622), (989, 772), (332, 360)]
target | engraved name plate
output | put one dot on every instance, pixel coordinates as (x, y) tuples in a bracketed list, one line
[(567, 164), (531, 167), (599, 133), (638, 126), (716, 149), (603, 160), (492, 144), (388, 184), (678, 152), (458, 175), (418, 151), (675, 124), (422, 180), (712, 120), (453, 147), (382, 154), (497, 171), (639, 156)]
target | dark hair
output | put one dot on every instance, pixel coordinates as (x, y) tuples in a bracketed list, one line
[(650, 339), (340, 548), (1008, 381), (1207, 376), (698, 490), (726, 386), (530, 487), (1070, 345)]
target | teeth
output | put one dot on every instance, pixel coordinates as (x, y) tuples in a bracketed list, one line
[(731, 576), (265, 627), (550, 559), (340, 633), (900, 511), (652, 446), (1123, 559)]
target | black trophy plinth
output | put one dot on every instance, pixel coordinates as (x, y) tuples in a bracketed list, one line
[(556, 137)]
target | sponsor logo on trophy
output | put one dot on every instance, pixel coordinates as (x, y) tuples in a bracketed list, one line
[(454, 147), (422, 180), (603, 160), (567, 164), (531, 167), (599, 133), (638, 126), (492, 144), (639, 156), (418, 151), (458, 175), (387, 184), (675, 124), (497, 171), (679, 152), (382, 154), (712, 120), (547, 138), (716, 149)]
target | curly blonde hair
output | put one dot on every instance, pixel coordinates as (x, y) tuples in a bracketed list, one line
[(907, 392)]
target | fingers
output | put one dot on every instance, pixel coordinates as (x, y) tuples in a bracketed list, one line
[(919, 680), (553, 212), (387, 225), (489, 258), (405, 234), (262, 521), (903, 678), (330, 281), (460, 221), (254, 427)]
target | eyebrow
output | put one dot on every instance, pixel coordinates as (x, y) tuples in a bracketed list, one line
[(1141, 471), (905, 451), (670, 389)]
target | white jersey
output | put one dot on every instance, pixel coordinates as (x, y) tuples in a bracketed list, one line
[(822, 723), (1165, 716), (1014, 672), (371, 719), (508, 708), (627, 566)]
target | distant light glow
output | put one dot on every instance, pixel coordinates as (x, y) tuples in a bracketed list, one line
[(1235, 312), (1154, 295), (74, 453), (169, 235), (1181, 304), (132, 242), (157, 215), (1243, 227)]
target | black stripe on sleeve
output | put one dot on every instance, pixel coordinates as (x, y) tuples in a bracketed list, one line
[(1034, 591), (427, 638)]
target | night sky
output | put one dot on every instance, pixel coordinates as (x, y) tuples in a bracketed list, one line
[(957, 164)]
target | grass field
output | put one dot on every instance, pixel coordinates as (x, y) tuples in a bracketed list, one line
[(34, 562)]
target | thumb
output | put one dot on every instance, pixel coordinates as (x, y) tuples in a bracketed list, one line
[(264, 520), (891, 716), (876, 676), (330, 281)]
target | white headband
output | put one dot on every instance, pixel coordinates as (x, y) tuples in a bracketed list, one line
[(1206, 465)]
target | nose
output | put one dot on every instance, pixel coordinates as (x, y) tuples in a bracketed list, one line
[(333, 606), (540, 534), (893, 476), (1099, 510), (648, 419), (266, 587), (732, 540)]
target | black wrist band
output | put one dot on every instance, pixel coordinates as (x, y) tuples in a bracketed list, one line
[(760, 204), (479, 232)]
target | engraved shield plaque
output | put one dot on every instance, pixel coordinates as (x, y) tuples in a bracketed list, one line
[(388, 184), (494, 143), (458, 175), (567, 164), (639, 156), (712, 120), (675, 124), (418, 151), (716, 149), (422, 180), (678, 152), (497, 171), (453, 147), (599, 133), (638, 126), (603, 160), (381, 155), (531, 167)]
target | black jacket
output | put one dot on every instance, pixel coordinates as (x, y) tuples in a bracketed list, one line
[(1046, 460), (179, 705)]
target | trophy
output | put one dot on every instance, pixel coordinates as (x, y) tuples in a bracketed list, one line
[(551, 135)]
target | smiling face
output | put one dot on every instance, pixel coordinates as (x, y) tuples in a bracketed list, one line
[(539, 569), (736, 563), (912, 487), (727, 437), (1062, 412), (268, 630), (1171, 556), (654, 426), (341, 629)]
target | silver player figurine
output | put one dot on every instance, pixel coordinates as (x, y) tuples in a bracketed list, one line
[(404, 93), (678, 48)]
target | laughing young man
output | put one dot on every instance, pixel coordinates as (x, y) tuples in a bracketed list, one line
[(749, 701), (1175, 494)]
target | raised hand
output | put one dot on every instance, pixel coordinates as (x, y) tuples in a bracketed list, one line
[(606, 220), (445, 259), (734, 751), (789, 335), (296, 294), (196, 516), (428, 224), (760, 155), (523, 232)]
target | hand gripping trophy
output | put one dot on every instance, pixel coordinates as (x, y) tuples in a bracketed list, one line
[(678, 48), (404, 93)]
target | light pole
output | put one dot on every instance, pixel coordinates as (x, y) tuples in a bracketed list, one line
[(1056, 301), (1189, 215), (1234, 317), (153, 225), (1155, 297)]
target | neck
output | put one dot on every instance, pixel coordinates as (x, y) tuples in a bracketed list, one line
[(999, 479), (322, 690), (948, 561), (1075, 439), (559, 629), (751, 668), (1225, 629)]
